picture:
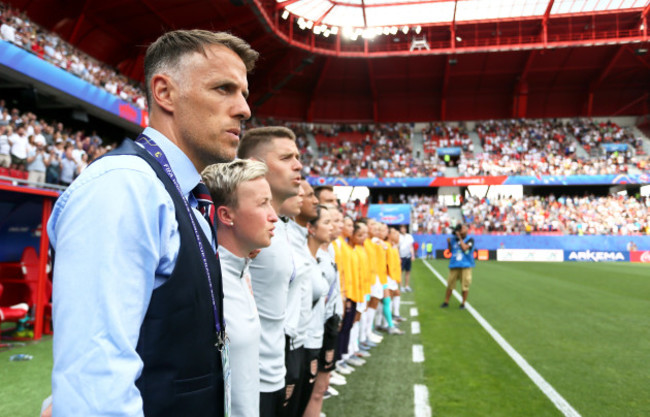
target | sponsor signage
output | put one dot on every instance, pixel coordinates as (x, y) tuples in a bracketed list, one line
[(530, 255), (596, 256), (492, 180), (390, 213), (640, 256), (453, 151), (479, 254)]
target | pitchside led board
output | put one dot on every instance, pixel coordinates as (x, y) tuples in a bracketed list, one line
[(391, 214)]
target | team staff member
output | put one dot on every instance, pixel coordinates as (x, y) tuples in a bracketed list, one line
[(460, 264), (407, 255), (324, 281), (326, 256), (273, 267), (242, 198), (395, 272), (299, 305), (137, 288)]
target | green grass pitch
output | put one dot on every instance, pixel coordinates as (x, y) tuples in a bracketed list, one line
[(585, 327)]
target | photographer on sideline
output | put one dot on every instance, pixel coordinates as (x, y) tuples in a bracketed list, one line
[(460, 264)]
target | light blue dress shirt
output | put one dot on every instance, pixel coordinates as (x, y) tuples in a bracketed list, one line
[(116, 238)]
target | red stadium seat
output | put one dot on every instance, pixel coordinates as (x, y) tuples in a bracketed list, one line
[(22, 279), (13, 313)]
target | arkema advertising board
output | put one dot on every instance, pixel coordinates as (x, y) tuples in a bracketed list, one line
[(596, 256)]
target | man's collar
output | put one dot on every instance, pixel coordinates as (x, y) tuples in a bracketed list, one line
[(183, 168)]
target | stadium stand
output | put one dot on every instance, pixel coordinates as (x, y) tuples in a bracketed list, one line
[(18, 29), (571, 215), (27, 129)]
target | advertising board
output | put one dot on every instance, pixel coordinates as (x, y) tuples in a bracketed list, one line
[(596, 256), (530, 255)]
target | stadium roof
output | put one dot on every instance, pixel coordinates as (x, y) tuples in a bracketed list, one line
[(588, 64), (400, 13)]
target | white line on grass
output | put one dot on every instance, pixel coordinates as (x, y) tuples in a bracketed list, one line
[(422, 408), (418, 353), (408, 302), (546, 388), (414, 311), (415, 327)]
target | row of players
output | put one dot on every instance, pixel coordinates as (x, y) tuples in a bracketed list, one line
[(316, 288)]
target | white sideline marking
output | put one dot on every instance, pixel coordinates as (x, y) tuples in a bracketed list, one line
[(418, 353), (422, 408), (408, 302), (541, 383), (414, 311), (415, 327)]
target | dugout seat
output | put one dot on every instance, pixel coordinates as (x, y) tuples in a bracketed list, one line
[(23, 286), (12, 313)]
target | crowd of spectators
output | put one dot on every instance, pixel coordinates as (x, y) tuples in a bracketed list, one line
[(537, 164), (18, 29), (546, 147), (384, 150), (592, 134), (47, 151), (444, 135), (587, 215), (429, 215)]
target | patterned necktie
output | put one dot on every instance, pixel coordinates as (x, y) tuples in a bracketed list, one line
[(206, 206)]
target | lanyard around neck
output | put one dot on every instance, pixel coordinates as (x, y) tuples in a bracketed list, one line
[(158, 154)]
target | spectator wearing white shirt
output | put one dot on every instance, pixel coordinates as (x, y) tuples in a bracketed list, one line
[(19, 147), (5, 146)]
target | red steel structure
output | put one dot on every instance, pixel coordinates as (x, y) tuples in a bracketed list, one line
[(564, 65)]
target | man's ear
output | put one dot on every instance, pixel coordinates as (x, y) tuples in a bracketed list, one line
[(163, 91), (225, 215)]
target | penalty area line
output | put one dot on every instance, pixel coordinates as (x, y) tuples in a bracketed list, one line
[(537, 379)]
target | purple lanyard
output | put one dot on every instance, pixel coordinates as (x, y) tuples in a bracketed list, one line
[(159, 155)]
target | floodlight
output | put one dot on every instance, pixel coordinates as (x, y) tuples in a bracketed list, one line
[(418, 29), (310, 24), (393, 30), (368, 34), (405, 30), (334, 30), (285, 14), (459, 39)]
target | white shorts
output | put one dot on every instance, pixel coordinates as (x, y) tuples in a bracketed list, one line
[(361, 307), (392, 284), (377, 290)]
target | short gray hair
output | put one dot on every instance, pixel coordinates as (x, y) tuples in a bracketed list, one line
[(223, 179), (165, 53)]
